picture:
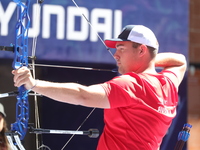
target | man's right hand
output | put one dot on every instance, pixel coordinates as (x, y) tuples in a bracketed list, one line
[(23, 76)]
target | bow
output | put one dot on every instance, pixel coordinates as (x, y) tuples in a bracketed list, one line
[(21, 59), (20, 49)]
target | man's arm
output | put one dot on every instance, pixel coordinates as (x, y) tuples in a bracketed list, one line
[(173, 62), (73, 93)]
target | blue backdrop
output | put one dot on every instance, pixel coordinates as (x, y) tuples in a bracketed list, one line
[(64, 35)]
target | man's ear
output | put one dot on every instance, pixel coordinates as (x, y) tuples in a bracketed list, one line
[(143, 50)]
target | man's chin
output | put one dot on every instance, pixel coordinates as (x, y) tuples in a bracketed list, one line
[(120, 70)]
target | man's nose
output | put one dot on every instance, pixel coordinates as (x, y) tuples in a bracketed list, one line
[(116, 56)]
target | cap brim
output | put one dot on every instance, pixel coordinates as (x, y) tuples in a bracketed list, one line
[(111, 43)]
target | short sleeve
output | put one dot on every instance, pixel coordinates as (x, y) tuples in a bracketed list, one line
[(123, 91)]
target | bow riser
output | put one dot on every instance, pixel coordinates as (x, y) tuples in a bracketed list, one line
[(21, 59), (21, 38)]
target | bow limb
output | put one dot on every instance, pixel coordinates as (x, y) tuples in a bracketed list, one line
[(33, 57)]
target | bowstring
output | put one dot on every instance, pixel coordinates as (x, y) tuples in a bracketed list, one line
[(79, 128), (92, 27), (37, 118)]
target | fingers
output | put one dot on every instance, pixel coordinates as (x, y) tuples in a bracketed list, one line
[(22, 76)]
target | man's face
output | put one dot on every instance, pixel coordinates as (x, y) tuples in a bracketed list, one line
[(126, 57)]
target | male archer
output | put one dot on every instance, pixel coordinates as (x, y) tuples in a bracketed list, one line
[(139, 105)]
